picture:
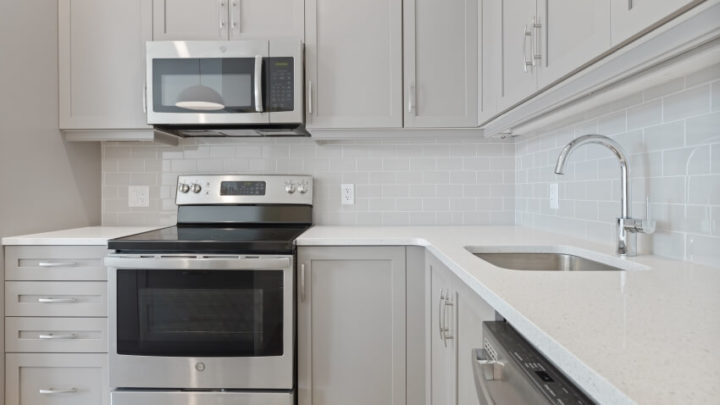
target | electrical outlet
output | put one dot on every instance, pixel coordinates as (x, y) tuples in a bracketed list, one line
[(347, 194), (553, 198), (138, 196)]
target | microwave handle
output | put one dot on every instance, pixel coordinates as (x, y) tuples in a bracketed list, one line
[(258, 84)]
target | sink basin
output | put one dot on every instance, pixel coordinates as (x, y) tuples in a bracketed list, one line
[(554, 260)]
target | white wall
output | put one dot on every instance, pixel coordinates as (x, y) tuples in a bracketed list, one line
[(45, 184), (410, 182), (672, 133)]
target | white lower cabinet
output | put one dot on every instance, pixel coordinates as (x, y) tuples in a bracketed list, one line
[(351, 326), (455, 329), (56, 379)]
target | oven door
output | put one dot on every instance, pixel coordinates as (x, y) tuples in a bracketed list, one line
[(206, 322)]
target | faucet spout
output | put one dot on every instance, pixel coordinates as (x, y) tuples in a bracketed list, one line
[(627, 226)]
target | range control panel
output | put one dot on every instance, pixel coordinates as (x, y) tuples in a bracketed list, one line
[(244, 189)]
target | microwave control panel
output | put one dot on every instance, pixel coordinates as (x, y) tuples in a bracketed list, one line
[(279, 77)]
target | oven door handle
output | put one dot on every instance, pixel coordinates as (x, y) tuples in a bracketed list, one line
[(196, 263)]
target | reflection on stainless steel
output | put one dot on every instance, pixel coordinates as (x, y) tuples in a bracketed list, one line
[(543, 261), (627, 227)]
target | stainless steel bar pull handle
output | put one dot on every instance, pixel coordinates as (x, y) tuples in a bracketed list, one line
[(54, 391), (302, 282), (630, 4), (441, 326), (144, 97), (235, 16), (480, 361), (448, 308), (49, 300), (526, 63), (257, 87), (537, 56), (411, 98), (222, 18), (51, 336), (56, 264)]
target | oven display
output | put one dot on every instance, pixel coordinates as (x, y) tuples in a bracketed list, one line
[(242, 188)]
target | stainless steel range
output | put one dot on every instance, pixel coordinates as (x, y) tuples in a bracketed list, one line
[(203, 312)]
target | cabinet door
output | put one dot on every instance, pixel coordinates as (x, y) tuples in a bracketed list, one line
[(472, 312), (56, 379), (443, 339), (517, 80), (354, 63), (101, 63), (190, 19), (573, 33), (351, 326), (441, 57), (267, 19), (630, 17)]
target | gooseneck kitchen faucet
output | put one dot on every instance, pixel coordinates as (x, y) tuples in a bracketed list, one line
[(627, 227)]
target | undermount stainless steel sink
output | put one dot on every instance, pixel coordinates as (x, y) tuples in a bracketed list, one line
[(541, 261)]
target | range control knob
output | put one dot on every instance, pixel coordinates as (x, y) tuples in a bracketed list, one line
[(302, 188), (196, 188), (289, 187), (184, 188)]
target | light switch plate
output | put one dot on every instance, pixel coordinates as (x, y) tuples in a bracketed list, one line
[(347, 194), (138, 196)]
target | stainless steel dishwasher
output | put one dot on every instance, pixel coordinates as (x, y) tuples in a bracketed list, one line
[(509, 371)]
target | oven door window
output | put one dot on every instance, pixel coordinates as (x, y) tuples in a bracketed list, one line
[(199, 313), (203, 85)]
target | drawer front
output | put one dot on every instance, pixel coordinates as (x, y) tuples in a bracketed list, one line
[(55, 298), (75, 335), (55, 263), (56, 379)]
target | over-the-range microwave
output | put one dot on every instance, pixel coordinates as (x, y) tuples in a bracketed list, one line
[(225, 88)]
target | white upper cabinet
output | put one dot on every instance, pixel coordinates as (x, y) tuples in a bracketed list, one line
[(101, 63), (441, 57), (190, 19), (573, 33), (266, 19), (630, 17), (353, 55), (226, 19)]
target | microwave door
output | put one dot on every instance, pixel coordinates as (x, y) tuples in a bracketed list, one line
[(196, 84)]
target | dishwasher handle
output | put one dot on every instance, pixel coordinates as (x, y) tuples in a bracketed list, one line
[(485, 369)]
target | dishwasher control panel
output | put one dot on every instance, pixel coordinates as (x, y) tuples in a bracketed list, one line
[(510, 346)]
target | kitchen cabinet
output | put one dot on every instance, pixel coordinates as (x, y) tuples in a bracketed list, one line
[(101, 63), (353, 52), (443, 335), (56, 379), (457, 314), (227, 19), (440, 45), (55, 325), (630, 17), (543, 41), (351, 325)]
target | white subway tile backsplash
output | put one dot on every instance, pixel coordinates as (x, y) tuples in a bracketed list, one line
[(672, 137)]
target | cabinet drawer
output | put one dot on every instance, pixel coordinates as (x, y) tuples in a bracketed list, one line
[(56, 335), (56, 379), (55, 298), (55, 263)]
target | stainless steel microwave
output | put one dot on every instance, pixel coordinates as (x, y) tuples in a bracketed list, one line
[(225, 88)]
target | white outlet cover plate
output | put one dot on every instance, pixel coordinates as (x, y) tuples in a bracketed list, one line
[(347, 194), (138, 196)]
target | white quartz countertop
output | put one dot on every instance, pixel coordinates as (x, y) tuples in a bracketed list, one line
[(87, 236), (649, 335)]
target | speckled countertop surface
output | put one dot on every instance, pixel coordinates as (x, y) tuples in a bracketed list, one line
[(648, 335), (87, 236)]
